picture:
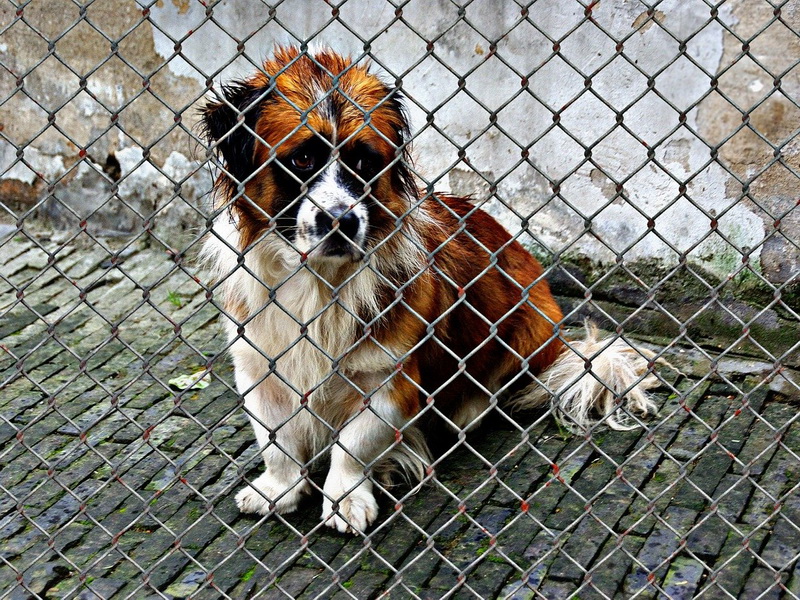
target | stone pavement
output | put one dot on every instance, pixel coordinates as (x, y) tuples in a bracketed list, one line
[(116, 484)]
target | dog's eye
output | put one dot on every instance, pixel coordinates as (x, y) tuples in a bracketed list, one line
[(362, 162), (303, 161), (364, 167)]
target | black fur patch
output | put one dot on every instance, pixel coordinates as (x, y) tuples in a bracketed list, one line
[(231, 123)]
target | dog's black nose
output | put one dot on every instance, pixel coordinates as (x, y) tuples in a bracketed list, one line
[(348, 222)]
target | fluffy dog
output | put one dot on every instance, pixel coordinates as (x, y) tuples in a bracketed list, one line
[(356, 307)]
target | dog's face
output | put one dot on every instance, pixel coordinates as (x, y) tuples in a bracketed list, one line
[(314, 149)]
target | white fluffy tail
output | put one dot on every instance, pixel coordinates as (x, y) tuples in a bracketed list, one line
[(593, 379)]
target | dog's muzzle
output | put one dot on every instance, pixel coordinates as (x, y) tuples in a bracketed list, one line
[(339, 230), (331, 221)]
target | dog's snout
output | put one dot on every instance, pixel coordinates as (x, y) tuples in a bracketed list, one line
[(347, 220), (349, 224)]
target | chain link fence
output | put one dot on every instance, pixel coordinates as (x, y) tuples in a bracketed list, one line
[(646, 152)]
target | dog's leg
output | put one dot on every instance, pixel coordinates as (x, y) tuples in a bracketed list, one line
[(284, 437), (349, 504)]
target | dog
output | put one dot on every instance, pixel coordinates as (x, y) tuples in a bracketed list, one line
[(357, 307)]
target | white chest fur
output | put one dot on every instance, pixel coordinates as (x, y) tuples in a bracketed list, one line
[(297, 334), (287, 323)]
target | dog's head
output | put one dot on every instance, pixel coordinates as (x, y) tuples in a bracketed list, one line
[(314, 148)]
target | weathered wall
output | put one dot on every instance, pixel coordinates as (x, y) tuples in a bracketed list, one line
[(123, 87)]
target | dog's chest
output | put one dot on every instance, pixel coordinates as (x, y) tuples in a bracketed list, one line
[(304, 337)]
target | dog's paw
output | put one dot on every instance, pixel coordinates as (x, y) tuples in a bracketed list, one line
[(355, 512), (261, 494)]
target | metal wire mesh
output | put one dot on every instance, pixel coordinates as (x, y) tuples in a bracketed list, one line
[(118, 477)]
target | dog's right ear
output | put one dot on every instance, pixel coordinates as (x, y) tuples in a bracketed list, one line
[(230, 124)]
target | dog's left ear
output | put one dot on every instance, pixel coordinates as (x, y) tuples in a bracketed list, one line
[(231, 124)]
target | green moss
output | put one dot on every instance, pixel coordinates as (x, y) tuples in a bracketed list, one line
[(684, 291), (563, 432), (790, 295), (496, 558), (174, 298), (687, 282), (248, 575), (659, 477)]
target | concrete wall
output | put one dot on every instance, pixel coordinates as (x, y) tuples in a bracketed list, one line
[(123, 86)]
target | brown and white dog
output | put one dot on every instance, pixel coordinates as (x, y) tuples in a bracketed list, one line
[(353, 303)]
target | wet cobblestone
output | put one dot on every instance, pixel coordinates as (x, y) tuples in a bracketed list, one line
[(115, 485)]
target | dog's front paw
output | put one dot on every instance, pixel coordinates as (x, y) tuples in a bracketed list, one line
[(267, 494), (353, 513)]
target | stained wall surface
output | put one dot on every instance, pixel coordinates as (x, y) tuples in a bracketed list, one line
[(654, 135)]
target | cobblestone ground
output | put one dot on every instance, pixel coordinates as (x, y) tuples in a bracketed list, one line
[(115, 484)]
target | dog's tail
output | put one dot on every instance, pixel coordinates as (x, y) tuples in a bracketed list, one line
[(593, 379)]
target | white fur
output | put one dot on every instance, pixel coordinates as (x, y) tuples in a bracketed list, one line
[(300, 387), (271, 410), (348, 503), (579, 397)]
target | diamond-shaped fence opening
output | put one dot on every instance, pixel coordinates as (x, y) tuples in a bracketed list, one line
[(170, 198)]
